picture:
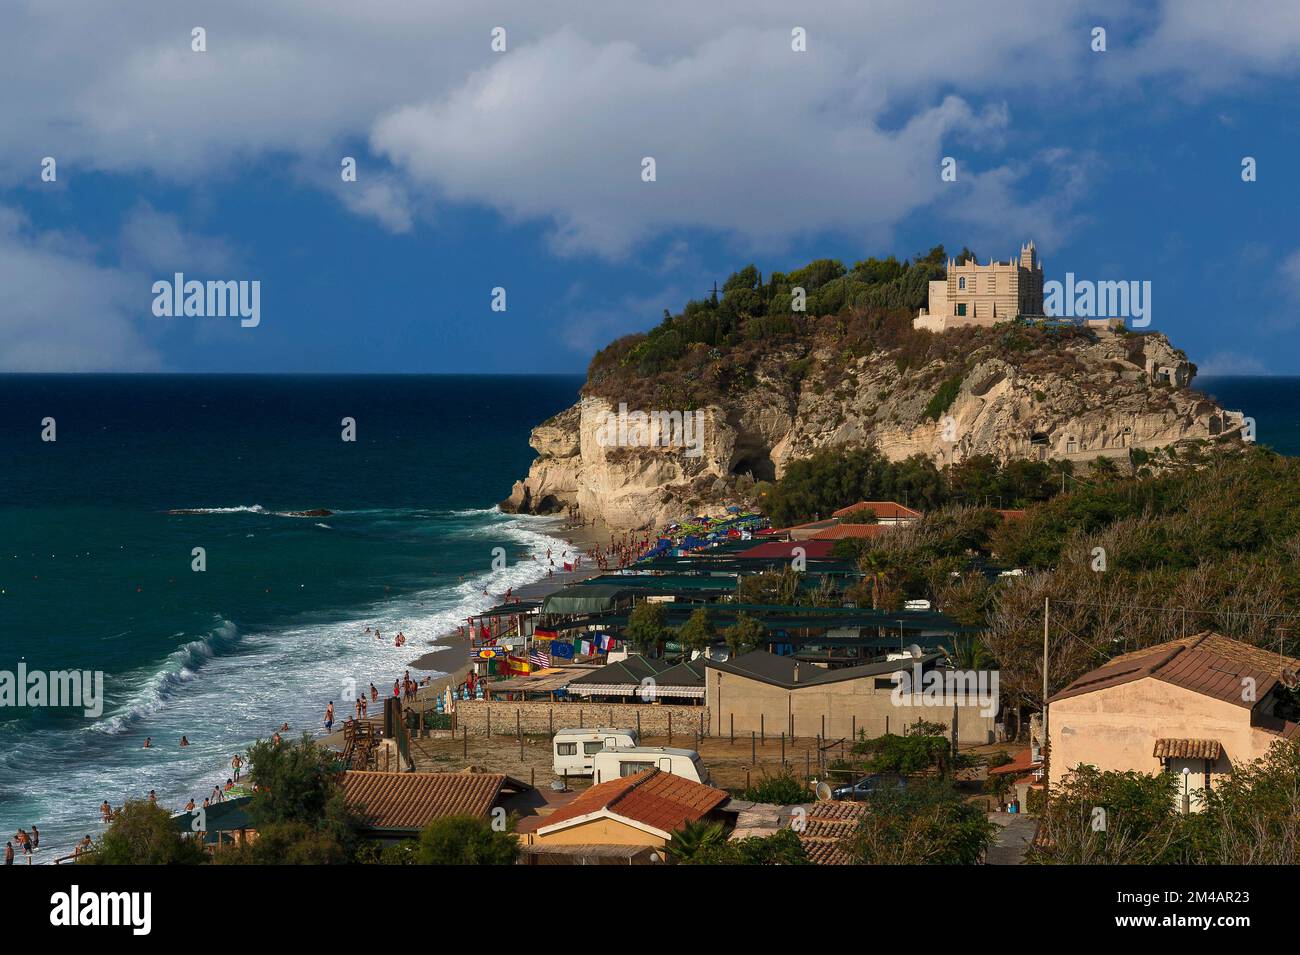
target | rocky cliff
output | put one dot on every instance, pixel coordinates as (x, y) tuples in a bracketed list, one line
[(1008, 394)]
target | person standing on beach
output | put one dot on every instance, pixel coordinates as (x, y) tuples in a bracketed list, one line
[(374, 694), (9, 853), (329, 716), (106, 811), (236, 763), (397, 692), (363, 707), (189, 806), (36, 837)]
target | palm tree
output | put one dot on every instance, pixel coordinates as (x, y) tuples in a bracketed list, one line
[(875, 566), (695, 837), (968, 653)]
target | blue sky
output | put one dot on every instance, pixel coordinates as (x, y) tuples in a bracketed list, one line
[(521, 169)]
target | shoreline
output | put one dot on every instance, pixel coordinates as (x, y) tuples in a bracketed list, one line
[(581, 538), (448, 656)]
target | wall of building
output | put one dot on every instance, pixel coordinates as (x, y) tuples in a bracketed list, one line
[(846, 706), (601, 831), (545, 717), (986, 294), (1115, 729)]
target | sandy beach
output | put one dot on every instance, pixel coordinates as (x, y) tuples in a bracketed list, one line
[(449, 654)]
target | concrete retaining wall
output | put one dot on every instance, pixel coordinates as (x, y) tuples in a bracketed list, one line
[(543, 717)]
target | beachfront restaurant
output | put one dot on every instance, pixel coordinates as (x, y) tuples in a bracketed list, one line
[(223, 823), (546, 685), (639, 679)]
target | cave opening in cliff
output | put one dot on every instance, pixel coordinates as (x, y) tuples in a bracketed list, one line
[(756, 463)]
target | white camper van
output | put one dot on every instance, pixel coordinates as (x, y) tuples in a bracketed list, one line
[(630, 760), (572, 751)]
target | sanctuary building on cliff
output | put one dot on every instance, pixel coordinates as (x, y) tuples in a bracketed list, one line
[(975, 294)]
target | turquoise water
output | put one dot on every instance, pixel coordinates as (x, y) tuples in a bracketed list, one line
[(96, 575)]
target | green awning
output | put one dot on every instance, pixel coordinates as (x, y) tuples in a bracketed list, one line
[(585, 598), (226, 816)]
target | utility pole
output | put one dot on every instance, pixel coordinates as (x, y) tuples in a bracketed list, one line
[(1047, 610)]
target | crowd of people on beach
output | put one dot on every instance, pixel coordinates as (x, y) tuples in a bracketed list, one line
[(621, 552)]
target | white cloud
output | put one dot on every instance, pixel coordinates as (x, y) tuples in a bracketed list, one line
[(158, 242), (751, 138), (62, 312), (747, 138)]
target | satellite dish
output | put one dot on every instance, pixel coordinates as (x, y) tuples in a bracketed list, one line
[(915, 651), (824, 792)]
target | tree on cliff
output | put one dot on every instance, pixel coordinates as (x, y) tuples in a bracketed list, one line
[(837, 477)]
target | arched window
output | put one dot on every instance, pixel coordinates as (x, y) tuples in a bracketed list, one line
[(961, 282)]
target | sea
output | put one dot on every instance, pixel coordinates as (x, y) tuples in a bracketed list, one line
[(98, 571)]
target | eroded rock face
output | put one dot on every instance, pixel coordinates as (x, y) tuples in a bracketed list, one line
[(1088, 399)]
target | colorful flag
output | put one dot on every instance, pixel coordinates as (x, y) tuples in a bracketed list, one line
[(562, 650), (539, 658)]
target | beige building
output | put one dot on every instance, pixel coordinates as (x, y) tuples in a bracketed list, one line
[(642, 810), (1202, 704), (760, 692), (975, 294)]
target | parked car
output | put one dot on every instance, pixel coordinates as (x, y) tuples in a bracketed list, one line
[(865, 787)]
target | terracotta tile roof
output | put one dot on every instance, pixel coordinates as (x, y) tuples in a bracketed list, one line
[(1207, 663), (652, 798), (884, 510), (1188, 749), (810, 525), (841, 531), (827, 826), (1022, 761), (784, 549), (410, 801)]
